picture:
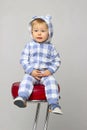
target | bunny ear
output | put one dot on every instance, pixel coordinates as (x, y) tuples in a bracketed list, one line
[(49, 17), (34, 17)]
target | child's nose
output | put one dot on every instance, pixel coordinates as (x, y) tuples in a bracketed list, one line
[(39, 32)]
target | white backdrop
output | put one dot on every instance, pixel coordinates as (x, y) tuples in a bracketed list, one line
[(70, 39)]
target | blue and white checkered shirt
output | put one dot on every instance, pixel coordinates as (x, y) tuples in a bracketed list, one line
[(40, 56)]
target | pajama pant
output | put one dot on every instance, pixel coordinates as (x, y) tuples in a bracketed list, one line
[(51, 87)]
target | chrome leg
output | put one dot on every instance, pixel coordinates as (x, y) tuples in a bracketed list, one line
[(36, 116), (46, 118)]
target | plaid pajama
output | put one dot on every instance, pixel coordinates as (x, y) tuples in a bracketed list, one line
[(40, 56), (51, 87)]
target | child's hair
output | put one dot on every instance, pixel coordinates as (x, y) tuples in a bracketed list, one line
[(38, 20)]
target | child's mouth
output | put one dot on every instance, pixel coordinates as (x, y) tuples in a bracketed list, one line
[(39, 37)]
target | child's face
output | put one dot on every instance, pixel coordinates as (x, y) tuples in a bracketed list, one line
[(40, 32)]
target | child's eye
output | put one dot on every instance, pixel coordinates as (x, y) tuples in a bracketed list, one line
[(36, 30), (42, 30)]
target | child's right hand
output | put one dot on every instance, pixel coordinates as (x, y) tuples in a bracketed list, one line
[(36, 74)]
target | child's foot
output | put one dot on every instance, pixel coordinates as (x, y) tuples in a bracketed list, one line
[(55, 108), (20, 102)]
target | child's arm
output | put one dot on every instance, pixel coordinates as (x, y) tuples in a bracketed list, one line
[(24, 60), (55, 61)]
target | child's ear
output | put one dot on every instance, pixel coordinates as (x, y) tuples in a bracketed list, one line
[(31, 31)]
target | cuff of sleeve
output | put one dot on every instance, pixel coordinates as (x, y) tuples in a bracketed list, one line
[(51, 70), (29, 71)]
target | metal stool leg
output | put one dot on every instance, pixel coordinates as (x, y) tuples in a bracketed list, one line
[(36, 116), (46, 118)]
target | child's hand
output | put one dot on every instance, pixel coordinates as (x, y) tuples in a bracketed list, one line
[(36, 74), (46, 73)]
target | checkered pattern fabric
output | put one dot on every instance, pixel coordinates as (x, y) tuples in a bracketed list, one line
[(40, 56), (51, 87)]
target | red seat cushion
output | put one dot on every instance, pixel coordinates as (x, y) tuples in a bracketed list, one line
[(38, 92)]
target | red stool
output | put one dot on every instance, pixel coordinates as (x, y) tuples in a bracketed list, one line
[(38, 95)]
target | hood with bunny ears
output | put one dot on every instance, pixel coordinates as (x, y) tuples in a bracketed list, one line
[(47, 19)]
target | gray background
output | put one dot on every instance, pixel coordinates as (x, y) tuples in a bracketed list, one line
[(70, 39)]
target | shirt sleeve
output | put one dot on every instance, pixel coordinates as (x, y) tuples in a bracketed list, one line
[(55, 61), (24, 59)]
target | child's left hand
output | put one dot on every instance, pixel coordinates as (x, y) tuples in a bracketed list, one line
[(46, 73)]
